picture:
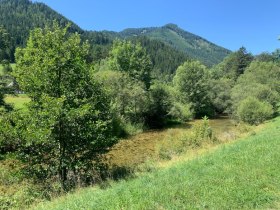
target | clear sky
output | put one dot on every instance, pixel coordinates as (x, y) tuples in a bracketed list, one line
[(254, 24)]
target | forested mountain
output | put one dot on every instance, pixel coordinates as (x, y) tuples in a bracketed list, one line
[(18, 17), (191, 44), (165, 59), (168, 46)]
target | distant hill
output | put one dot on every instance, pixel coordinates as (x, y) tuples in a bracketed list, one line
[(168, 46), (191, 44)]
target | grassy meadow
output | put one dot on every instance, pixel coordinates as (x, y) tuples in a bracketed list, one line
[(242, 175), (17, 101)]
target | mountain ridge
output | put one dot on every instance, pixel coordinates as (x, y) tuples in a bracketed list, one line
[(193, 45), (21, 16)]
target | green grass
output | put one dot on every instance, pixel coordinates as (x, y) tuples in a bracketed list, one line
[(17, 101), (243, 175)]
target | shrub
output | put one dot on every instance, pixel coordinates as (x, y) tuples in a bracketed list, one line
[(177, 143), (253, 111), (160, 103), (181, 112), (201, 132)]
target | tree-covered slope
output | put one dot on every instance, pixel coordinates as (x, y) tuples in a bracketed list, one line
[(165, 59), (20, 16), (191, 44)]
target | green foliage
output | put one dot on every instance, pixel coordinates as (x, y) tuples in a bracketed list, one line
[(201, 132), (254, 111), (233, 65), (4, 44), (266, 73), (265, 57), (261, 81), (20, 16), (181, 112), (262, 92), (68, 121), (160, 103), (194, 46), (132, 59), (165, 59), (129, 98), (174, 144), (191, 82), (220, 94)]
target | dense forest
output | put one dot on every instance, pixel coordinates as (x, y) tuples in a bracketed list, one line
[(89, 89)]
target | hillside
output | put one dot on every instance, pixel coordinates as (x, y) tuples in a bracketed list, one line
[(18, 17), (243, 175), (191, 44)]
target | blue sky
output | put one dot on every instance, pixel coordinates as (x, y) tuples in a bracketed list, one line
[(254, 24)]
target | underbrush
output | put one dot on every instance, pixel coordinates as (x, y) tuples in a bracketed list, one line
[(174, 144), (16, 191)]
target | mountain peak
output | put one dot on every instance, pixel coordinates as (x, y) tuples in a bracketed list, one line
[(193, 45), (171, 26)]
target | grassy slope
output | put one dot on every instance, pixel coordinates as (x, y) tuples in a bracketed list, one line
[(243, 175)]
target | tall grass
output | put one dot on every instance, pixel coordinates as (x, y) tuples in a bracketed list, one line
[(243, 175)]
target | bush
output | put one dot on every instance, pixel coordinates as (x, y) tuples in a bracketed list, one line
[(202, 132), (253, 111), (181, 112), (159, 105), (177, 143)]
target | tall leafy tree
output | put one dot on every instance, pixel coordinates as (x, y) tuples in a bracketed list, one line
[(133, 59), (192, 86), (233, 65), (68, 122)]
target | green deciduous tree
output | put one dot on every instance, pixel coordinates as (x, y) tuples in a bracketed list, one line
[(68, 121), (260, 80), (233, 65), (129, 98), (220, 93), (254, 111), (160, 103), (191, 83), (132, 59)]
